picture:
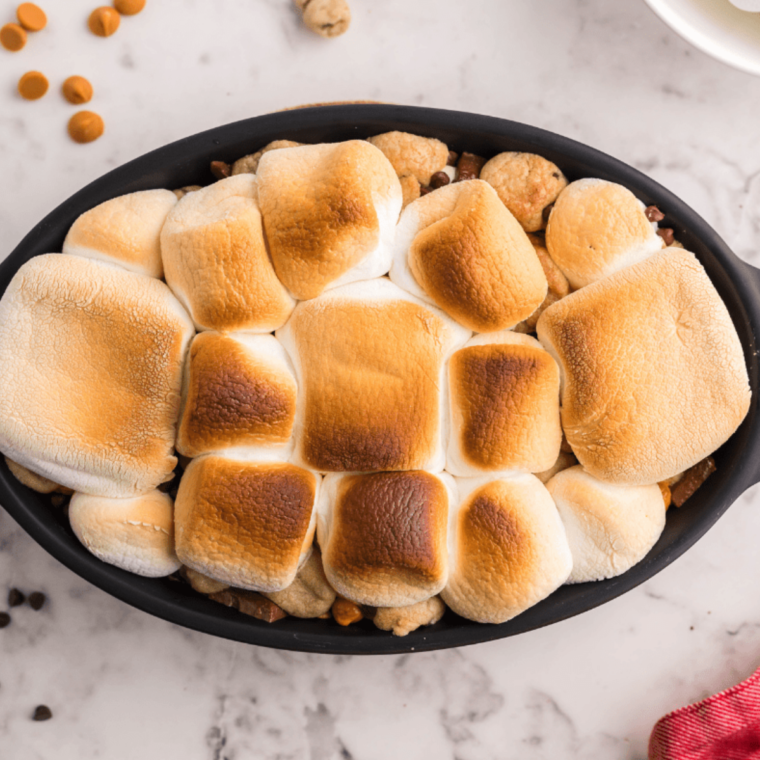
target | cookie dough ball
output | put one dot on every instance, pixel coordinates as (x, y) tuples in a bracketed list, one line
[(526, 184), (420, 157), (328, 18), (249, 164), (404, 620)]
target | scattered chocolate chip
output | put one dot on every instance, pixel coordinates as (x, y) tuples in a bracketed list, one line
[(452, 159), (16, 598), (36, 600), (58, 499), (439, 179), (5, 619), (653, 214), (555, 175), (221, 169), (667, 235), (425, 190), (42, 712), (469, 166)]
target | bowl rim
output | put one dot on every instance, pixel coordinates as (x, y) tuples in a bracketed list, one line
[(664, 10), (738, 283)]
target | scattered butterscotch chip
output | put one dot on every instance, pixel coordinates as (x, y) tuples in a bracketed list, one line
[(77, 90), (346, 612), (31, 17), (665, 491), (16, 598), (12, 37), (33, 85), (128, 7), (104, 21), (37, 600), (85, 126), (42, 712)]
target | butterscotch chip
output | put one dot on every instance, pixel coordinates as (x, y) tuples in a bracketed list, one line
[(104, 21), (77, 90), (32, 85), (128, 7), (85, 126), (31, 17), (12, 37)]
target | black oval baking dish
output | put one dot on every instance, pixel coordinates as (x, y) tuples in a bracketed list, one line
[(186, 162)]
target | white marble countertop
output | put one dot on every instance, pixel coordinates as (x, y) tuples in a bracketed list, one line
[(124, 685)]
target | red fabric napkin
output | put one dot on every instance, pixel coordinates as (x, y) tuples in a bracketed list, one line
[(725, 726)]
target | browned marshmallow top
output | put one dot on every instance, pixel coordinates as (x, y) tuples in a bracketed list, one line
[(473, 259), (505, 406), (388, 536), (654, 372), (244, 523), (233, 397), (323, 207)]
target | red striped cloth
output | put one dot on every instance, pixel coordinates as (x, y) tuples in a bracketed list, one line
[(725, 726)]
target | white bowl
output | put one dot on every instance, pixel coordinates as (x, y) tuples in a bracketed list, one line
[(716, 27)]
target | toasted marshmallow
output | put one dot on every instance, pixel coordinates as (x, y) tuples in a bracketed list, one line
[(461, 249), (134, 534), (216, 259), (597, 228), (526, 184), (504, 399), (370, 359), (238, 397), (654, 377), (329, 213), (92, 361), (249, 524), (124, 231), (383, 536), (507, 548), (609, 528)]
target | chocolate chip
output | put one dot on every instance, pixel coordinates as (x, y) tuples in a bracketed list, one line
[(555, 175), (36, 600), (5, 619), (220, 169), (42, 712), (469, 166), (16, 598), (439, 179), (653, 214), (425, 190), (452, 159), (58, 499), (667, 235)]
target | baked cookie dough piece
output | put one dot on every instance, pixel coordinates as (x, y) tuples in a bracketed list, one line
[(413, 155), (609, 527), (504, 400), (125, 231), (134, 534), (216, 260), (462, 250), (527, 185), (597, 228), (370, 363), (238, 397), (329, 213), (383, 535), (249, 524), (654, 377), (509, 549), (92, 360)]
